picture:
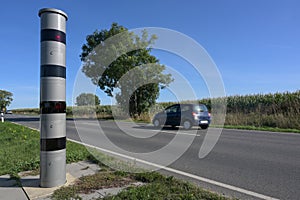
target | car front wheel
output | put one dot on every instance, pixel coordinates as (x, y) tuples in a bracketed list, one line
[(187, 125), (156, 123)]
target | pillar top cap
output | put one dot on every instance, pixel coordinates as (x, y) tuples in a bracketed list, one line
[(53, 10)]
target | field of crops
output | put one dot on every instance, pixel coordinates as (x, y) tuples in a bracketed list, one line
[(280, 110)]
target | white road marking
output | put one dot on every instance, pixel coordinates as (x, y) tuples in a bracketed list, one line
[(210, 181)]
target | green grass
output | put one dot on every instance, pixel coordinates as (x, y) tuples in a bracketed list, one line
[(20, 149), (156, 186), (165, 187)]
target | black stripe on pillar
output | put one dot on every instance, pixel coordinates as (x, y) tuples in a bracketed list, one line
[(53, 35), (53, 144), (53, 71), (52, 107)]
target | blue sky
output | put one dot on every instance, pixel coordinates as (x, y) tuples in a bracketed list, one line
[(254, 43)]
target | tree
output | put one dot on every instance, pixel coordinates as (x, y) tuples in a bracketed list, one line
[(119, 59), (87, 99), (5, 99)]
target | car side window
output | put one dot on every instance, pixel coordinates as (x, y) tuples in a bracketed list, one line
[(172, 109), (185, 108), (203, 108)]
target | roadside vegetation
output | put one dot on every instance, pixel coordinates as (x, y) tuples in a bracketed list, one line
[(19, 151), (272, 112), (27, 111), (152, 186)]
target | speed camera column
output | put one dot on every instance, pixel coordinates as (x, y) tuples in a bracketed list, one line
[(53, 97)]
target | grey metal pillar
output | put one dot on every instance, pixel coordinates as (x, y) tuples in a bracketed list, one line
[(53, 98)]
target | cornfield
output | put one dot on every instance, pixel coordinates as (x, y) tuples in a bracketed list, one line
[(280, 110)]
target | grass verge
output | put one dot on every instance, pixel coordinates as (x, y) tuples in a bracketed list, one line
[(156, 186), (20, 149)]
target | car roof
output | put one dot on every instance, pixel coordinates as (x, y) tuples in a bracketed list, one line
[(186, 104)]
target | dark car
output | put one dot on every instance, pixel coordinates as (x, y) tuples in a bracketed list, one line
[(9, 112), (186, 115)]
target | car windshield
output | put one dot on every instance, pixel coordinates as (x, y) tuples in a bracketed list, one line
[(200, 108)]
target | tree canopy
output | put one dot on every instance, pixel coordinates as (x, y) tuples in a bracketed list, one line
[(5, 99), (120, 59), (87, 99)]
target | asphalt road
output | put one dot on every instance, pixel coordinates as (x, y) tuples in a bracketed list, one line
[(256, 162)]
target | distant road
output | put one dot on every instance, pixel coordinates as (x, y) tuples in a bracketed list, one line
[(260, 162)]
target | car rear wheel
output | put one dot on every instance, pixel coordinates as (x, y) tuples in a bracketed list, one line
[(204, 126), (156, 123), (187, 125)]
